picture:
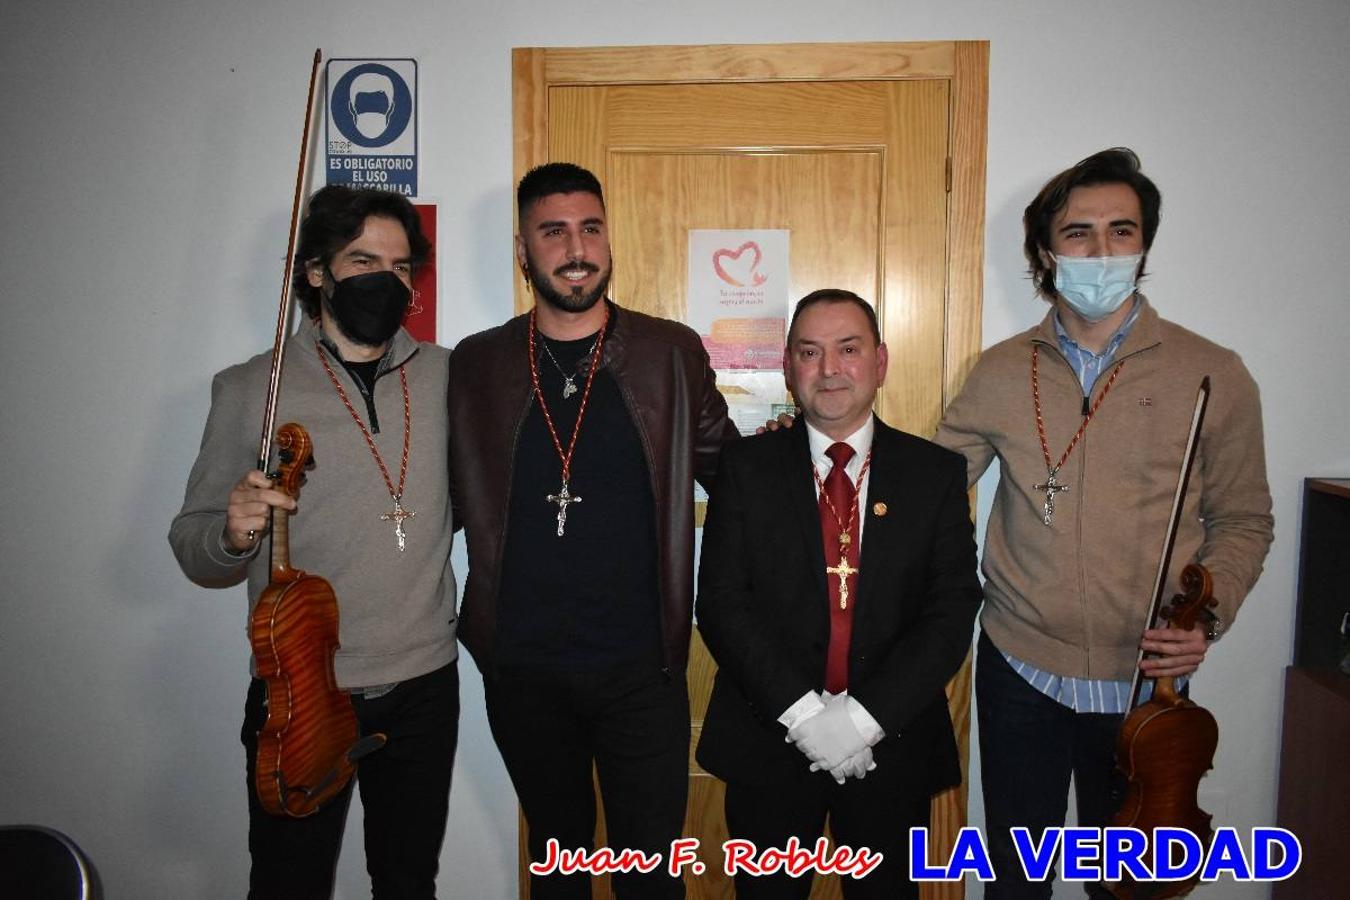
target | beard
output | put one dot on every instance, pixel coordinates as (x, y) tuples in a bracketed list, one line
[(575, 300)]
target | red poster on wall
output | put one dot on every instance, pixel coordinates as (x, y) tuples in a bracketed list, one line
[(421, 318)]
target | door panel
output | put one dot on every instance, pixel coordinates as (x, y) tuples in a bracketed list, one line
[(838, 242)]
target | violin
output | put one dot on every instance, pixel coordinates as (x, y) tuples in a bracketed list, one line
[(1165, 746), (308, 747)]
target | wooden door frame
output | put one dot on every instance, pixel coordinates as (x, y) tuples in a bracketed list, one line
[(963, 64)]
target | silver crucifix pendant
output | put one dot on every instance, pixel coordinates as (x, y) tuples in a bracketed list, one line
[(397, 516), (1051, 487), (564, 499)]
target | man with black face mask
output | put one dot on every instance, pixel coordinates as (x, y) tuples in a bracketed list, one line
[(374, 520), (577, 431)]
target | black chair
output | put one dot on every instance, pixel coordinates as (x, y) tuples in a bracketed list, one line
[(38, 863)]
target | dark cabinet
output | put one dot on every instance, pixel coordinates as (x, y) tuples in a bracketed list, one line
[(1315, 749)]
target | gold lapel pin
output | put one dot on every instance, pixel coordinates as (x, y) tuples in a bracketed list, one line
[(878, 508)]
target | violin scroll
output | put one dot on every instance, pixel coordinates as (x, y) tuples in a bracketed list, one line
[(1196, 599), (296, 452)]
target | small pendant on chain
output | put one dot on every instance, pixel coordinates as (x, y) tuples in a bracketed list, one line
[(843, 570), (564, 498), (397, 515), (1051, 487), (569, 387)]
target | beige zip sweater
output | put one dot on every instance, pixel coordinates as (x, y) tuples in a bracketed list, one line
[(1071, 598)]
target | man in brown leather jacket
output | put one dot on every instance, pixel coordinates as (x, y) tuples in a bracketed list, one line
[(577, 432)]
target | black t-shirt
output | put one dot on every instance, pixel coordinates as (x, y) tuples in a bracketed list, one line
[(589, 598)]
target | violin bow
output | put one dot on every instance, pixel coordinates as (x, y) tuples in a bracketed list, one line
[(284, 313), (1170, 539)]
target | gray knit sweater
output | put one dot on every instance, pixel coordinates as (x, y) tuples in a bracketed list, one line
[(397, 609)]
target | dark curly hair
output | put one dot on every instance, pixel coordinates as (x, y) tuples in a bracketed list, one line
[(336, 216)]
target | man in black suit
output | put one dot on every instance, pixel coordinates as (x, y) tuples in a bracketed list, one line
[(837, 593)]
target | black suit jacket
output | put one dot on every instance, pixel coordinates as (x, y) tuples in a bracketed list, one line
[(763, 606)]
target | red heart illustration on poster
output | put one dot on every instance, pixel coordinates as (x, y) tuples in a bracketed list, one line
[(744, 271)]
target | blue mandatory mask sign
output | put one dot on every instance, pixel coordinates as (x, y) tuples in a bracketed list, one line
[(372, 124)]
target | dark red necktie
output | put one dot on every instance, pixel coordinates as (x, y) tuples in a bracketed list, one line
[(840, 492)]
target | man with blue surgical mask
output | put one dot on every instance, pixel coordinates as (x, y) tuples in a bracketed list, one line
[(1088, 414)]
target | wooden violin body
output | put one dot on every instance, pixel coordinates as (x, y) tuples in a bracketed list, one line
[(308, 746), (1164, 748)]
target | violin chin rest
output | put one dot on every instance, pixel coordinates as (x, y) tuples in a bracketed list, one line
[(366, 746)]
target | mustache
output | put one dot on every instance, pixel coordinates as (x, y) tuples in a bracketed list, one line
[(573, 266)]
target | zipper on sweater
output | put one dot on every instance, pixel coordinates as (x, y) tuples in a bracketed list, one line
[(1078, 540), (369, 397), (1087, 396), (372, 420), (1078, 507)]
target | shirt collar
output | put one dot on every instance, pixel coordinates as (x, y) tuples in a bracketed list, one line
[(1068, 344), (860, 441)]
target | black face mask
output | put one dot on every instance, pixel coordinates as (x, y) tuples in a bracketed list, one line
[(369, 307)]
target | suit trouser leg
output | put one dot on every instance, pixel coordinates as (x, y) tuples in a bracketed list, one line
[(632, 724), (860, 816), (1029, 746), (768, 815), (859, 819)]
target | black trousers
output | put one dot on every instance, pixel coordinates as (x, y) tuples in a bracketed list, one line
[(632, 724), (405, 789), (861, 814), (1029, 746)]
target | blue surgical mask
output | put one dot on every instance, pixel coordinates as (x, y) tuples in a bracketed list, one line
[(1096, 286)]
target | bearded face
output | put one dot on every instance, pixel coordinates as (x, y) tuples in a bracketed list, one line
[(563, 247)]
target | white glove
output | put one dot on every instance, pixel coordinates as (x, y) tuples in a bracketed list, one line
[(829, 737), (856, 766)]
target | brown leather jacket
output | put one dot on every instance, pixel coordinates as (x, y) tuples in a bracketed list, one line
[(669, 388)]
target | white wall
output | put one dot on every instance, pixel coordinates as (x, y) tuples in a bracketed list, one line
[(149, 154)]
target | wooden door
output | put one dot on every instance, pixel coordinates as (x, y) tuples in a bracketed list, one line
[(872, 155)]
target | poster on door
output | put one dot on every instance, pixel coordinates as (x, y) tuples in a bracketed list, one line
[(738, 296), (739, 303)]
